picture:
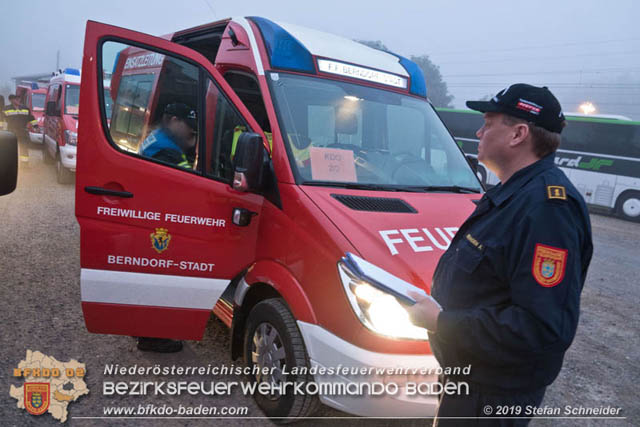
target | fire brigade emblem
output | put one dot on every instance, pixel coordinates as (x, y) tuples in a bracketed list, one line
[(160, 239), (548, 265), (36, 397)]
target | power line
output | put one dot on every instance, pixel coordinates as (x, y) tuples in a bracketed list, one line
[(210, 8), (460, 52), (537, 58), (594, 71), (555, 85)]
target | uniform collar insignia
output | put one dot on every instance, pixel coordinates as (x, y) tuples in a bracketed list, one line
[(500, 193)]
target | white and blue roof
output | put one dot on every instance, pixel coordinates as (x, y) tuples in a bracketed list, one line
[(291, 47), (69, 75)]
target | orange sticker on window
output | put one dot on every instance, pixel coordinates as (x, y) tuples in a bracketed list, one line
[(549, 264), (332, 164)]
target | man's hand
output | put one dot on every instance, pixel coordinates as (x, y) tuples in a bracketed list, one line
[(424, 313)]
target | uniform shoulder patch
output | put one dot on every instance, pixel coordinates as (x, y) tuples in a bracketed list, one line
[(556, 192), (548, 265)]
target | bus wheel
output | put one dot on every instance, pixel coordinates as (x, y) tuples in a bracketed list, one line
[(629, 206), (273, 343)]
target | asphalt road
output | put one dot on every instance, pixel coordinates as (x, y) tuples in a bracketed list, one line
[(40, 297)]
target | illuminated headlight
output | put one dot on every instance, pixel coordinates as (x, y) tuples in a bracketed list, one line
[(71, 138), (378, 310)]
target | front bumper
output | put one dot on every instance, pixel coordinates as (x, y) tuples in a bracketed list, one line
[(326, 351), (68, 156), (36, 137)]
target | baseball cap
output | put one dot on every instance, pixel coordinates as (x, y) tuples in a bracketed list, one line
[(534, 104), (184, 112)]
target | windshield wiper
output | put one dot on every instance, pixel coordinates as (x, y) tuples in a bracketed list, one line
[(443, 188), (405, 188), (353, 185)]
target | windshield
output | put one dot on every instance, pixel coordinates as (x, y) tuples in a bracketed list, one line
[(37, 101), (72, 99), (341, 133)]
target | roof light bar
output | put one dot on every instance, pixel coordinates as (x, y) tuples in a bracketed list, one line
[(362, 73)]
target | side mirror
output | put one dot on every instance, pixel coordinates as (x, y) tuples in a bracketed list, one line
[(8, 162), (51, 109), (473, 162), (249, 162)]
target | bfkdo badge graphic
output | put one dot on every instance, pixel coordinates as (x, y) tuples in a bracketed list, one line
[(549, 264), (160, 239), (49, 386), (37, 397)]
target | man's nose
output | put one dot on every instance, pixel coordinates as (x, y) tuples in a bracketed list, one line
[(479, 132)]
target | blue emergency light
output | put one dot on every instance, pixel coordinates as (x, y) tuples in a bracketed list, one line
[(285, 51), (71, 71), (418, 85)]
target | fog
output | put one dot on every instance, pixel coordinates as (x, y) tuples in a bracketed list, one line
[(582, 50)]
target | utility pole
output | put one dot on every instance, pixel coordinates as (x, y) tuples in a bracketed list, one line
[(57, 59)]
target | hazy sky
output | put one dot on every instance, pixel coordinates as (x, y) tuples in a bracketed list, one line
[(583, 50)]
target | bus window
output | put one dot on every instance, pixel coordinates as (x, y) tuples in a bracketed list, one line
[(616, 139)]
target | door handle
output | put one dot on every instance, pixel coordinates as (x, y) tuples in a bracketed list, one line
[(106, 192)]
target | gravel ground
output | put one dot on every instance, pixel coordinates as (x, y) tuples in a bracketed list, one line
[(39, 262)]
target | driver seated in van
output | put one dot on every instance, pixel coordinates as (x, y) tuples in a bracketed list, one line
[(176, 137)]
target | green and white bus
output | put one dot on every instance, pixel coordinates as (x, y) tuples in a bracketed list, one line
[(601, 156)]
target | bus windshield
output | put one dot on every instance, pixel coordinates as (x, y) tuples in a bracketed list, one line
[(342, 133), (72, 99)]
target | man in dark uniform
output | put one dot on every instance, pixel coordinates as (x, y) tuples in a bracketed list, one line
[(174, 140), (510, 282), (171, 143), (18, 117)]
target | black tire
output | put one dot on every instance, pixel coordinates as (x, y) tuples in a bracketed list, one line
[(46, 157), (63, 175), (268, 316), (628, 206)]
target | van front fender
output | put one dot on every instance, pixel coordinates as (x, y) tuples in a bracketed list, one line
[(281, 279), (263, 280)]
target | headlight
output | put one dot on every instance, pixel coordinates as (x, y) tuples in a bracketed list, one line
[(71, 138), (378, 310)]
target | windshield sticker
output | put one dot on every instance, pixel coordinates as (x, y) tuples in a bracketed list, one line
[(332, 164)]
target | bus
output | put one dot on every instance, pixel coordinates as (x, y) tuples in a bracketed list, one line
[(600, 155)]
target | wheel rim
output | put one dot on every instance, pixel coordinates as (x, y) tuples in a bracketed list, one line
[(268, 353), (631, 207)]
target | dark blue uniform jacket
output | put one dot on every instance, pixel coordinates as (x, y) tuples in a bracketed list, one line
[(510, 282)]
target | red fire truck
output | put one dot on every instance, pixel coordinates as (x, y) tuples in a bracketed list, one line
[(61, 123), (312, 150)]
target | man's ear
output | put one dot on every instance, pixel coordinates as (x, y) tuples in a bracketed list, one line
[(520, 134)]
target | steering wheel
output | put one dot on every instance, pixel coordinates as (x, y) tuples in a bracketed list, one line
[(405, 158)]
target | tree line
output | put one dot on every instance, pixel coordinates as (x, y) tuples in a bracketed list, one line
[(437, 90)]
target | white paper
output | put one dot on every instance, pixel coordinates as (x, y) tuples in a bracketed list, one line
[(383, 277)]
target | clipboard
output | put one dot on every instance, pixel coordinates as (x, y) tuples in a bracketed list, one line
[(382, 279)]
